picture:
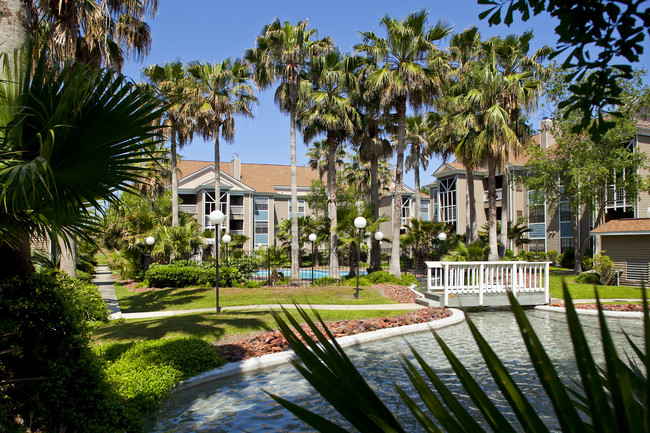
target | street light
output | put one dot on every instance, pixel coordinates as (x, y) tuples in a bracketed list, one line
[(216, 219), (312, 238), (360, 223), (146, 258), (442, 237), (226, 240)]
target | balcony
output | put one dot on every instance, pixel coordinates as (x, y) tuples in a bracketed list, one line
[(499, 194), (236, 209), (188, 208)]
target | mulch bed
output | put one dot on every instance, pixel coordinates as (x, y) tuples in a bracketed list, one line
[(606, 307), (272, 342)]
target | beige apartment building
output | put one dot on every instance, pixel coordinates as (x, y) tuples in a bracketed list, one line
[(256, 197), (550, 228)]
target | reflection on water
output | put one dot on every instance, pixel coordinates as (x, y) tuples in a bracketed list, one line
[(240, 404)]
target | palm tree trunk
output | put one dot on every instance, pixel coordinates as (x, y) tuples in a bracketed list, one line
[(471, 229), (295, 246), (375, 253), (68, 256), (16, 257), (493, 254), (505, 208), (331, 204), (172, 145), (416, 168), (217, 186), (397, 197), (14, 26)]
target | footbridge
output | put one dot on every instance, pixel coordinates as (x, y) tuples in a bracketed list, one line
[(472, 284)]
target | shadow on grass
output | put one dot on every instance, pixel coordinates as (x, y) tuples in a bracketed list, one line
[(211, 327), (159, 300)]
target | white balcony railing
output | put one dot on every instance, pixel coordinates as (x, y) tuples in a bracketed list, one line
[(236, 209), (188, 208), (499, 194)]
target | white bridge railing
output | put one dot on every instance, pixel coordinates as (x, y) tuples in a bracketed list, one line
[(484, 278)]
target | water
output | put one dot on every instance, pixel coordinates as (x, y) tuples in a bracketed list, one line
[(240, 404), (305, 274)]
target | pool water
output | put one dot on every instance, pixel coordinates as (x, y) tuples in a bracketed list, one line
[(240, 404), (304, 273)]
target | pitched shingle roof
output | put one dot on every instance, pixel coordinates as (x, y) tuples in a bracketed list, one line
[(625, 226), (260, 177)]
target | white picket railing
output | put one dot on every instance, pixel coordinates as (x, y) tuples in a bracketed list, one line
[(484, 278)]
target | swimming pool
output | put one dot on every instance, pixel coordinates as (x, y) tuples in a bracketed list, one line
[(304, 273)]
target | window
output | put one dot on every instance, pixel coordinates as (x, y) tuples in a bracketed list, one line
[(537, 245), (208, 199), (566, 244), (535, 209), (301, 208), (424, 210), (406, 211), (566, 229), (261, 220), (448, 200)]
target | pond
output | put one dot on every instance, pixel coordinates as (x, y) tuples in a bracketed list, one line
[(240, 404)]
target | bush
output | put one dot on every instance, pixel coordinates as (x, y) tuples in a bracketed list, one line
[(325, 281), (41, 320), (526, 256), (352, 281), (406, 262), (588, 278), (143, 373), (180, 276), (568, 259), (509, 255), (84, 277), (407, 280), (553, 257), (86, 267), (383, 277), (605, 267), (587, 263), (253, 284)]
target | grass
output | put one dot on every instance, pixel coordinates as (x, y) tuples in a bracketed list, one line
[(204, 297), (210, 327), (586, 291)]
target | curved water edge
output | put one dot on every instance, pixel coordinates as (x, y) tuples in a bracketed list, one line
[(617, 314), (271, 360), (240, 404)]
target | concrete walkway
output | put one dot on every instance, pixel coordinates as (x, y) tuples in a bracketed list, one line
[(104, 280)]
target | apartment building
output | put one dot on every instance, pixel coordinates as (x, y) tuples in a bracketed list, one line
[(550, 228)]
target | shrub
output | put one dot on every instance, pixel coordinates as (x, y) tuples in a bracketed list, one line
[(383, 277), (408, 279), (42, 321), (180, 276), (540, 256), (253, 284), (553, 257), (352, 281), (568, 259), (605, 268), (509, 255), (86, 267), (587, 263), (406, 262), (143, 373), (588, 278), (245, 265), (84, 277), (526, 256), (325, 281)]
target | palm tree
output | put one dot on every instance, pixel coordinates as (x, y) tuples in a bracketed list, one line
[(328, 110), (417, 136), (70, 138), (319, 157), (282, 53), (171, 80), (223, 92), (98, 33), (402, 79)]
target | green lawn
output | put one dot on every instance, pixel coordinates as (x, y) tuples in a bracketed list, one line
[(210, 327), (204, 297), (586, 291)]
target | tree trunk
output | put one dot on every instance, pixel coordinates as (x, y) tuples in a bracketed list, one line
[(295, 245), (471, 229), (172, 146), (68, 256), (14, 25), (16, 259), (505, 207), (217, 187), (493, 255), (332, 205), (397, 197), (375, 252), (577, 250), (416, 169)]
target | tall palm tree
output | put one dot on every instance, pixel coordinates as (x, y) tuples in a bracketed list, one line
[(282, 53), (171, 80), (402, 79), (222, 93), (328, 110), (98, 33), (417, 136), (318, 157), (70, 138)]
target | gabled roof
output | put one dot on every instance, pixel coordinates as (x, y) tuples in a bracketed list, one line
[(624, 226), (258, 177)]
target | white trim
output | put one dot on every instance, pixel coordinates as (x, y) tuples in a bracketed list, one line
[(620, 233)]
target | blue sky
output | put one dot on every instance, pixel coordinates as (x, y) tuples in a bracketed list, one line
[(212, 30)]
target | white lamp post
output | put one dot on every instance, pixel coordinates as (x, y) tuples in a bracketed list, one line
[(647, 212), (360, 223), (146, 259), (216, 218), (226, 240), (442, 237), (312, 239)]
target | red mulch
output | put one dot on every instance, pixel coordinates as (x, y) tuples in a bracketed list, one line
[(400, 294), (607, 307), (271, 342)]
